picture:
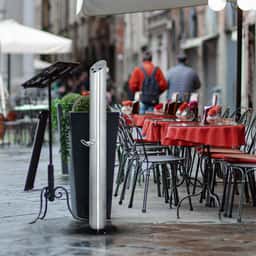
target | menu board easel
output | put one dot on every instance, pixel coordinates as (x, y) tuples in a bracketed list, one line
[(44, 80)]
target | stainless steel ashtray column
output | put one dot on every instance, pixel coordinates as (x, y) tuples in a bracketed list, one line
[(98, 138)]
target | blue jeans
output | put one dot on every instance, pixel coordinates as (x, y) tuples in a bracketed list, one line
[(145, 108)]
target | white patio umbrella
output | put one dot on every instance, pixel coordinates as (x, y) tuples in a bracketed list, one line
[(107, 7), (19, 39), (16, 38), (40, 64)]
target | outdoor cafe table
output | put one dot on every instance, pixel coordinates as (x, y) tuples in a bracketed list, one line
[(30, 110), (224, 135), (154, 130), (29, 107), (138, 120)]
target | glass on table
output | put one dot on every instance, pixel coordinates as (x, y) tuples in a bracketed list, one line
[(228, 121)]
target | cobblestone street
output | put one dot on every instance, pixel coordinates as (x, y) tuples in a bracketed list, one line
[(155, 233)]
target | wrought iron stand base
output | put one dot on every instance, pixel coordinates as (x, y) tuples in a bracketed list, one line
[(45, 196)]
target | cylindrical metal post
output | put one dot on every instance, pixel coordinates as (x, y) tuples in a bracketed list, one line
[(239, 56), (9, 73), (50, 165), (98, 138)]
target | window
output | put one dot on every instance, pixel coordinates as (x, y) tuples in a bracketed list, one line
[(193, 23), (182, 24), (173, 35)]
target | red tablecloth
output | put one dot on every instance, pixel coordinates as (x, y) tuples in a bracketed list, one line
[(139, 120), (155, 130), (213, 135)]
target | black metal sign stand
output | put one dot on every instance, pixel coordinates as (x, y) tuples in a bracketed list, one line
[(36, 152), (50, 192)]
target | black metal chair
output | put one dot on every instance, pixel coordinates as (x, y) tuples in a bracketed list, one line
[(241, 169), (146, 163), (128, 149), (229, 178)]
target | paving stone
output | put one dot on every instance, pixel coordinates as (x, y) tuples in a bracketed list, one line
[(156, 232)]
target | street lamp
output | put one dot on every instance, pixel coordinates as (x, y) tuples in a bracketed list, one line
[(217, 5)]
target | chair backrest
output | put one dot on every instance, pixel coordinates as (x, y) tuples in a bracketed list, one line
[(241, 115), (226, 113), (251, 137), (141, 142), (246, 117), (124, 135), (117, 107)]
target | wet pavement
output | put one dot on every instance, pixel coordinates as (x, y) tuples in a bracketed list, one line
[(156, 232)]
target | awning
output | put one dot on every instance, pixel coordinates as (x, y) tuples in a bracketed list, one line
[(197, 42), (109, 7), (19, 39)]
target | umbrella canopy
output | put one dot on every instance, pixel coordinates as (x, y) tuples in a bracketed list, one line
[(107, 7), (40, 64), (19, 39)]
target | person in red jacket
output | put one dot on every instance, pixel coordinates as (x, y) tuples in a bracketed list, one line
[(136, 83)]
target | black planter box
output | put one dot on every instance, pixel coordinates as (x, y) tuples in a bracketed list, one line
[(79, 173)]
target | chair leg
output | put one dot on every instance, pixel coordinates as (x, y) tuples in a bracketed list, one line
[(144, 207), (192, 163), (229, 184), (130, 162), (196, 175), (246, 192), (136, 173), (175, 182), (224, 190), (120, 174), (254, 189), (205, 174), (241, 198), (165, 186), (232, 197), (129, 179), (187, 181), (213, 183), (158, 183), (251, 181), (154, 176)]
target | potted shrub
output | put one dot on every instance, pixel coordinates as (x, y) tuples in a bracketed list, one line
[(79, 173), (66, 104)]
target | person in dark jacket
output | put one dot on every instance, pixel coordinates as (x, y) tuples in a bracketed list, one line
[(182, 79)]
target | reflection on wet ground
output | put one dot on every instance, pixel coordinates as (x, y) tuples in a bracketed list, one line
[(66, 237), (155, 233)]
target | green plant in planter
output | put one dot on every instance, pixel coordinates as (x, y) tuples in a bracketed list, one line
[(82, 104), (66, 103), (54, 112), (71, 102)]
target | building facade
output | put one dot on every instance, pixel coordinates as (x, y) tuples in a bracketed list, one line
[(209, 40)]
